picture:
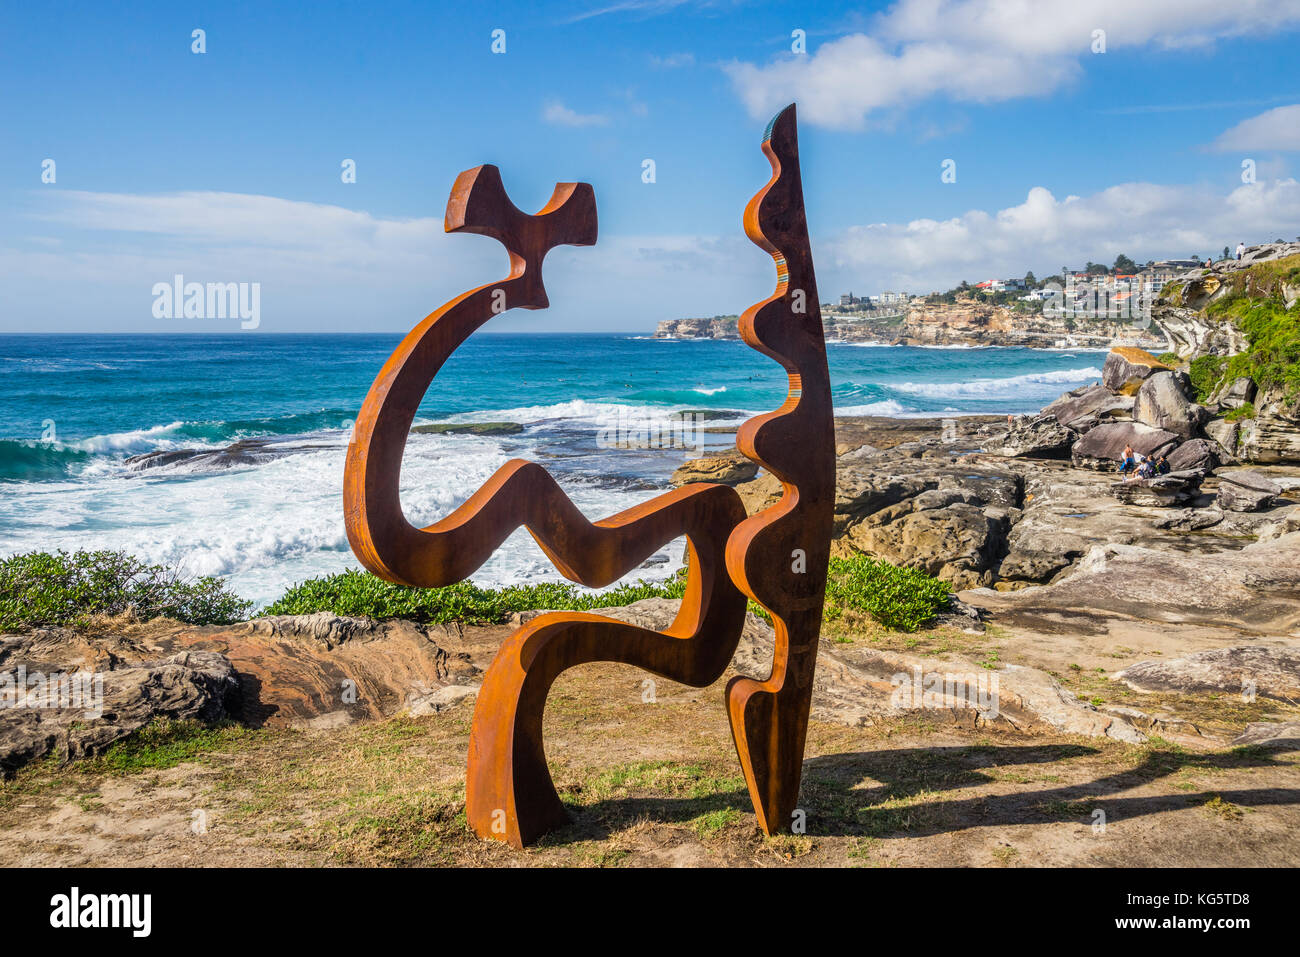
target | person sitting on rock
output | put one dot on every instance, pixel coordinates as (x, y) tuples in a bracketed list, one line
[(1128, 461), (1162, 466), (1147, 470)]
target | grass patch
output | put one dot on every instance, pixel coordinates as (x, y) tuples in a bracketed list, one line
[(58, 588), (713, 823), (1224, 809), (421, 827), (165, 744)]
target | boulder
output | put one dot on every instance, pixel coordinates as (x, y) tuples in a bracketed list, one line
[(948, 533), (1236, 393), (1199, 454), (1095, 401), (731, 468), (1040, 436), (1253, 590), (1268, 672), (1101, 447), (1279, 735), (1126, 367), (1224, 434), (1163, 491), (1162, 404), (1272, 437), (78, 711), (1244, 491), (862, 490)]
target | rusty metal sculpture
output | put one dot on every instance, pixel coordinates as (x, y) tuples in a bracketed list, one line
[(509, 792), (779, 557)]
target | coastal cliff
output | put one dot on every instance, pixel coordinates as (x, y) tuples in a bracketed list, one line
[(1234, 328), (966, 322)]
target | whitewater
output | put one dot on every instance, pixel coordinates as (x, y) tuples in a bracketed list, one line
[(75, 409)]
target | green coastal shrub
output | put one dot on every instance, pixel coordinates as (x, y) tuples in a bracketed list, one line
[(903, 599), (58, 588), (43, 588), (360, 594), (1255, 305), (1273, 356), (1205, 373)]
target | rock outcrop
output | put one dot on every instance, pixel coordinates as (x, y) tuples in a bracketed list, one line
[(1281, 735), (1180, 310), (1249, 670), (1254, 589), (860, 686), (1199, 312), (1162, 403), (949, 533), (1162, 491), (1040, 436), (1126, 368), (1090, 405), (729, 468), (1245, 491), (1102, 448), (1273, 436), (70, 698), (966, 322)]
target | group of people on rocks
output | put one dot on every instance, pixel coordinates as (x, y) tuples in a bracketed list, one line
[(1134, 465)]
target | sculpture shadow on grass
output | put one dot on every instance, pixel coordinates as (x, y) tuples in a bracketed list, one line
[(899, 793)]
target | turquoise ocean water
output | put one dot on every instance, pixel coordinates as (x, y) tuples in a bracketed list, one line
[(74, 408)]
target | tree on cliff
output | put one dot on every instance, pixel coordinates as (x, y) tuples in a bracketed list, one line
[(1124, 265), (1031, 281)]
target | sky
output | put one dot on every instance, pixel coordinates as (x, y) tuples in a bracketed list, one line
[(1071, 130)]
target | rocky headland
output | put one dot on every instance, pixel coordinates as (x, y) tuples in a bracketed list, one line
[(965, 323)]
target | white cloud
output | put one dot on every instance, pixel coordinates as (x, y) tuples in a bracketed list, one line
[(327, 268), (557, 114), (640, 7), (983, 51), (1277, 129), (1142, 220)]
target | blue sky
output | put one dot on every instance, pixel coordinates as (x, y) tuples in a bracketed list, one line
[(225, 166)]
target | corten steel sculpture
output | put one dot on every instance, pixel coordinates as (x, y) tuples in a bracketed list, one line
[(509, 792), (779, 557)]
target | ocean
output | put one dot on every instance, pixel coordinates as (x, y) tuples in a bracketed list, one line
[(73, 408)]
